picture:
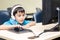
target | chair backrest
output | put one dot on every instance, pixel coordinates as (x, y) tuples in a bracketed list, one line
[(4, 16), (9, 9), (38, 15)]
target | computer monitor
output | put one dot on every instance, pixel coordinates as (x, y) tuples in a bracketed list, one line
[(50, 14)]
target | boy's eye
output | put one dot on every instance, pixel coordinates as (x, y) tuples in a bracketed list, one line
[(19, 15), (23, 15)]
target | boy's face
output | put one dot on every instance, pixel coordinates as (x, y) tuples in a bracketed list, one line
[(20, 16)]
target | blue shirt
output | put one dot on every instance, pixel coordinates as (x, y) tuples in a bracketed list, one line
[(14, 22)]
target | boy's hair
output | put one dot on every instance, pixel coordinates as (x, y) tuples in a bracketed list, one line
[(18, 9)]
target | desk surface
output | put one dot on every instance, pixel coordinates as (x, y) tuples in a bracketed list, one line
[(49, 36), (15, 36), (37, 29)]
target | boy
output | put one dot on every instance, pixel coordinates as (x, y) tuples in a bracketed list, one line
[(18, 18)]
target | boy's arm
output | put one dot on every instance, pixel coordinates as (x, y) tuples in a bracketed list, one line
[(32, 23), (7, 27)]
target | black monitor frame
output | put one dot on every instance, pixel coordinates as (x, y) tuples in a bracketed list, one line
[(50, 14)]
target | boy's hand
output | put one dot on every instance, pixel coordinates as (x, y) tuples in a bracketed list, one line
[(18, 28)]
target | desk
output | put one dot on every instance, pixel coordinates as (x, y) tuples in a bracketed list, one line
[(15, 36), (48, 36), (36, 29)]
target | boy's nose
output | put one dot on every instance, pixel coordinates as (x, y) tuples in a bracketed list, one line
[(21, 16)]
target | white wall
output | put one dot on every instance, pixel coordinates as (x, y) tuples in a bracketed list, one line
[(29, 5)]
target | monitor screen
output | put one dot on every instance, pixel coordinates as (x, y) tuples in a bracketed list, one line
[(50, 14)]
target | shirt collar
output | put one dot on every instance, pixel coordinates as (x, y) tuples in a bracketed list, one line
[(14, 22)]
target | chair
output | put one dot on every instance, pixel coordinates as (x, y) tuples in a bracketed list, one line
[(4, 16), (38, 15)]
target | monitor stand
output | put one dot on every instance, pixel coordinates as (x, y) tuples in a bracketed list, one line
[(54, 29)]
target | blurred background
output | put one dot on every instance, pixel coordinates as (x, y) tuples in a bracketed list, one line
[(29, 5)]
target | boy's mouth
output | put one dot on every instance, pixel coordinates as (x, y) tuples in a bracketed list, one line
[(21, 21)]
